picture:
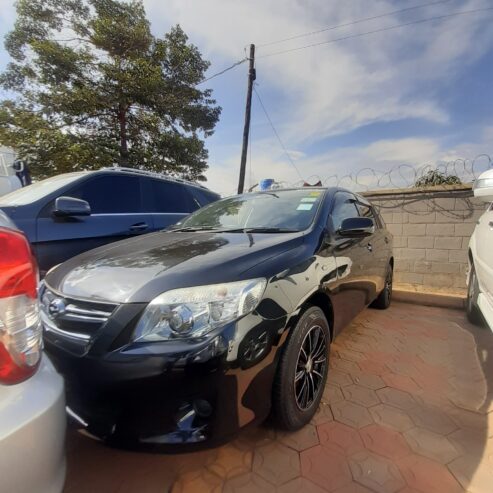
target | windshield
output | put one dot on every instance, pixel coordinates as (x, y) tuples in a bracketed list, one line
[(278, 210), (38, 190)]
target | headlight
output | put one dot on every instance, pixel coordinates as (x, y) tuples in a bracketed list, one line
[(192, 312)]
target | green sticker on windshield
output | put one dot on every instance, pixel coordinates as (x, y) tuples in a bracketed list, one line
[(304, 207), (309, 199), (315, 194)]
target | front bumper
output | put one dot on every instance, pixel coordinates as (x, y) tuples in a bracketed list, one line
[(32, 433), (168, 396)]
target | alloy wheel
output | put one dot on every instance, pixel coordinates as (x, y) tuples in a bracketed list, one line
[(310, 368)]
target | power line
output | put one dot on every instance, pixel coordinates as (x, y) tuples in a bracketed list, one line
[(359, 35), (239, 62), (358, 21), (275, 132)]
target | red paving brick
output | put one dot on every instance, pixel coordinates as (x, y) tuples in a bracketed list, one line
[(325, 467), (407, 409), (341, 437)]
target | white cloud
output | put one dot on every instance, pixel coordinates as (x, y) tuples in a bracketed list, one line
[(334, 88)]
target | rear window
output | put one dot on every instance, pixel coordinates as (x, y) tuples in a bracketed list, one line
[(169, 197), (203, 197)]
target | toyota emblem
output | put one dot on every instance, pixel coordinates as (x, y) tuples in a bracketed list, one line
[(56, 307)]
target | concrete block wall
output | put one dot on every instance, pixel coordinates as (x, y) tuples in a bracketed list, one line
[(431, 229)]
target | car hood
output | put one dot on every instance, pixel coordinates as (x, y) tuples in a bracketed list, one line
[(140, 269)]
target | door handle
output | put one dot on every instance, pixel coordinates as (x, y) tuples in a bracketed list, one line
[(370, 247), (139, 227)]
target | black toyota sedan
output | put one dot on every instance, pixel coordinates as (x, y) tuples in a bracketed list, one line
[(177, 339)]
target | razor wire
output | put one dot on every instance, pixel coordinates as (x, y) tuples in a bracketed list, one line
[(401, 176)]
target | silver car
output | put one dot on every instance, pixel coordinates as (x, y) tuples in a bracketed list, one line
[(32, 401)]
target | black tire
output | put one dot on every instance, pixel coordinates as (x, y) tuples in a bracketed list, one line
[(382, 302), (473, 313), (293, 407)]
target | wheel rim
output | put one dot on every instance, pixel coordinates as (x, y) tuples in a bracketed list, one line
[(310, 368), (388, 286)]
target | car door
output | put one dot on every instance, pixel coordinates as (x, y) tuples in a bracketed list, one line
[(378, 250), (116, 213), (168, 202), (352, 291), (484, 252)]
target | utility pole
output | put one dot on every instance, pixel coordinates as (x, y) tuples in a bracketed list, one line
[(248, 110)]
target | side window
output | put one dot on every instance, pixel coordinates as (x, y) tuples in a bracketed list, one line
[(344, 207), (109, 194), (170, 197), (203, 197)]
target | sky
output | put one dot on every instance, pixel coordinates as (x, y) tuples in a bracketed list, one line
[(414, 95)]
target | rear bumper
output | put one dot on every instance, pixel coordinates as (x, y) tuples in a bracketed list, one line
[(32, 433)]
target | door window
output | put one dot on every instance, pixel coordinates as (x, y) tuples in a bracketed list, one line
[(344, 208), (110, 194), (169, 197)]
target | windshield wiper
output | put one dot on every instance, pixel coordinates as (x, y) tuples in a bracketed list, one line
[(259, 230), (193, 228)]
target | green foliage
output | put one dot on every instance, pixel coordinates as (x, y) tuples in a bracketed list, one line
[(435, 177), (95, 88)]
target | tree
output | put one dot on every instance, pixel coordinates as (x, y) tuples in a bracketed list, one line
[(96, 88), (435, 177)]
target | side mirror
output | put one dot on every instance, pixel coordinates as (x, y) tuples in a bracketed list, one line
[(69, 206), (356, 227), (18, 166), (483, 187)]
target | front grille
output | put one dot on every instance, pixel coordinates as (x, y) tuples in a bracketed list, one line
[(73, 318)]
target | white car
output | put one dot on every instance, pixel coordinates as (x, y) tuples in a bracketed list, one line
[(32, 398), (480, 279)]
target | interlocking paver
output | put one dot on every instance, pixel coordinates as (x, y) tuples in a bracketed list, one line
[(384, 441), (299, 485), (201, 480), (431, 372), (476, 478), (323, 414), (369, 380), (401, 382), (247, 483), (360, 395), (299, 440), (351, 414), (341, 437), (392, 417), (276, 463), (231, 461), (428, 476), (430, 417), (332, 394), (431, 445), (325, 467), (376, 473), (397, 398), (339, 377)]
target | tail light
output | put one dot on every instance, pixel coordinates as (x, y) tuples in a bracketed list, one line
[(20, 328)]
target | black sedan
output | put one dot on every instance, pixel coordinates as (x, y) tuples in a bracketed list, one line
[(180, 338)]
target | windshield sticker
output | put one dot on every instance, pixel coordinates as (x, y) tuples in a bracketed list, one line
[(304, 207), (315, 194), (309, 199)]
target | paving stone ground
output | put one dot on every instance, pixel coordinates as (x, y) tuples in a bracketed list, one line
[(407, 409)]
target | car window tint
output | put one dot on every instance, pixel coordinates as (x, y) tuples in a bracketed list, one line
[(110, 194), (170, 197), (344, 207), (203, 197)]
